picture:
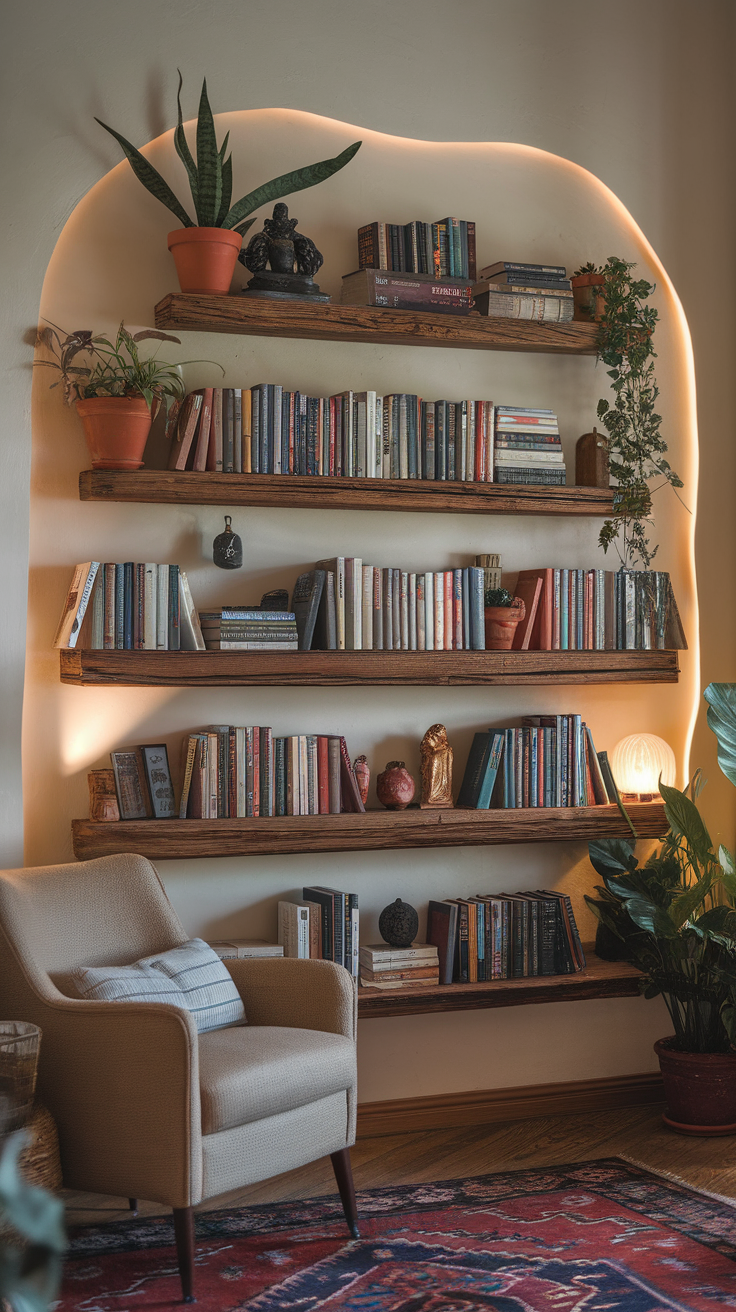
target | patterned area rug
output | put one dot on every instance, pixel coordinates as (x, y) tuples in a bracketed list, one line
[(581, 1238)]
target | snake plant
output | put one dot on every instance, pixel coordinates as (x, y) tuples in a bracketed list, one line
[(211, 176)]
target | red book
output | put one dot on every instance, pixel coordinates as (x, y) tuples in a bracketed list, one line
[(530, 591), (214, 450), (351, 798), (332, 471), (185, 430), (256, 771), (449, 609), (588, 616), (541, 634), (203, 432), (232, 775), (323, 776)]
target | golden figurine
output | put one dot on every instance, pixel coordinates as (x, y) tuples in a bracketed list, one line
[(436, 757)]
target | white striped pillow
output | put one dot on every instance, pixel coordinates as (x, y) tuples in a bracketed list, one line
[(191, 976)]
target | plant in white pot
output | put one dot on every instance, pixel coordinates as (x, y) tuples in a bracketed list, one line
[(675, 917), (205, 251), (116, 392)]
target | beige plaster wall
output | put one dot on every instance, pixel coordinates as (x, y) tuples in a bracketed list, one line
[(639, 93)]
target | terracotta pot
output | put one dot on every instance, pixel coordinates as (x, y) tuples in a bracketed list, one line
[(589, 301), (205, 258), (700, 1088), (501, 622), (395, 787), (116, 428)]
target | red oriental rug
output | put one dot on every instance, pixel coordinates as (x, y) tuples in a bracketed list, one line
[(580, 1238)]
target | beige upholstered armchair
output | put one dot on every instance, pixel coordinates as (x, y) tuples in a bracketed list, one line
[(146, 1107)]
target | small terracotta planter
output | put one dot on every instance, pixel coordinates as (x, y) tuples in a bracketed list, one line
[(116, 428), (700, 1088), (205, 258), (501, 622), (589, 300)]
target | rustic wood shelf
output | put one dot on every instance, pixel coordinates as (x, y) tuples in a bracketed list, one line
[(362, 323), (328, 669), (374, 831), (292, 491), (600, 979)]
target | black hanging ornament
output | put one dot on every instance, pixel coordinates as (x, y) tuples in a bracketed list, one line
[(227, 549)]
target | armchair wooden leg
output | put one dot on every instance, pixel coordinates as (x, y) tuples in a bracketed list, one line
[(344, 1177), (184, 1235), (133, 1205)]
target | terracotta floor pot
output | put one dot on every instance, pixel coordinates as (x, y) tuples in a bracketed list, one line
[(501, 622), (116, 428), (205, 258), (700, 1088)]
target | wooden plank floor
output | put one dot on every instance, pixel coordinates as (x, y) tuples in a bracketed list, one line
[(637, 1133)]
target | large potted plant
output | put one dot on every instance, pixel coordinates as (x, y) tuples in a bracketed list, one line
[(205, 251), (115, 391), (675, 917)]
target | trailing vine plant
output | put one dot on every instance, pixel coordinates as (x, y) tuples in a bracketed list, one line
[(634, 441)]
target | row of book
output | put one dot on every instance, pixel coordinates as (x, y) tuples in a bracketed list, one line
[(598, 610), (238, 772), (325, 925), (549, 761), (527, 448), (504, 936), (443, 249), (540, 292), (129, 607)]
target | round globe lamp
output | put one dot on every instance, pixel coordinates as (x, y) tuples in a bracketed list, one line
[(638, 762)]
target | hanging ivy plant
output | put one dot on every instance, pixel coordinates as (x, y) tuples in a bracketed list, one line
[(636, 448)]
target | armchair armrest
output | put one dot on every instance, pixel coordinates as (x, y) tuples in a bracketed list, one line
[(122, 1081), (307, 995)]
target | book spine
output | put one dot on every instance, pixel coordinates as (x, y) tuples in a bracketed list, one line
[(174, 604)]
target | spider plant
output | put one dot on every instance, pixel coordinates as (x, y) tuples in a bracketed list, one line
[(211, 176)]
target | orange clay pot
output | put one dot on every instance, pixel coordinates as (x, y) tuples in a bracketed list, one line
[(116, 428), (205, 258), (501, 622)]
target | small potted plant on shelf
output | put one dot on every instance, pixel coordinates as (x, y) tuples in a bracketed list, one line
[(675, 918), (114, 390), (503, 612), (205, 252), (587, 293)]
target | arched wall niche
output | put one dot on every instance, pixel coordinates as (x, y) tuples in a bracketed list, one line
[(111, 263)]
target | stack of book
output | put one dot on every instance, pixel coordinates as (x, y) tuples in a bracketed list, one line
[(407, 291), (505, 936), (598, 610), (377, 609), (443, 249), (233, 949), (239, 772), (384, 967), (129, 607), (233, 628), (351, 434), (143, 783), (549, 761), (527, 447), (324, 926), (541, 292)]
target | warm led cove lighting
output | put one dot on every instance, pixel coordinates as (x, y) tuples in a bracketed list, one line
[(637, 762)]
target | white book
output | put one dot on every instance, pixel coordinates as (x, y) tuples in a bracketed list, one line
[(367, 618), (439, 611), (354, 964), (150, 617), (361, 434), (404, 609), (380, 954), (303, 775), (287, 645), (378, 453), (244, 948), (75, 606), (353, 603), (421, 613), (293, 929), (429, 612), (191, 632), (507, 457), (162, 608), (412, 612), (348, 435), (386, 438), (470, 442)]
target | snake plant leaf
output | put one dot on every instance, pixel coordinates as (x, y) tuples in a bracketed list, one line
[(182, 148), (721, 699), (243, 227), (288, 183), (227, 187), (684, 818), (150, 177), (611, 857), (209, 165)]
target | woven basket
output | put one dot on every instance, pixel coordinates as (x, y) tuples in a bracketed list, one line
[(39, 1162), (18, 1062)]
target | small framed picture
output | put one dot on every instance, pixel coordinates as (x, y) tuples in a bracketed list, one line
[(158, 778)]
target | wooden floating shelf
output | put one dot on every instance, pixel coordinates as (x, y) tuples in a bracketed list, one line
[(362, 323), (333, 669), (374, 831), (600, 979), (296, 491)]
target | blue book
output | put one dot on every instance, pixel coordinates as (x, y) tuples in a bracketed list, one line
[(493, 761)]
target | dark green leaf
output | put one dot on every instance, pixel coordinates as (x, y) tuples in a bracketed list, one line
[(684, 818), (243, 227), (687, 903), (227, 188), (150, 177), (183, 151), (719, 920), (612, 856), (209, 165), (647, 915), (721, 699), (287, 184)]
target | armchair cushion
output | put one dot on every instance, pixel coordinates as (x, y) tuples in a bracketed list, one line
[(248, 1074), (190, 976)]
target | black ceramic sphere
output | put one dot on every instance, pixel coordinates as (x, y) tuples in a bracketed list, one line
[(398, 924)]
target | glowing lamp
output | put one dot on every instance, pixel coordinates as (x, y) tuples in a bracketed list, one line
[(637, 763)]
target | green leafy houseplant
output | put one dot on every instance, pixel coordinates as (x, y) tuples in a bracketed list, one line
[(636, 448), (675, 915), (499, 597), (91, 365)]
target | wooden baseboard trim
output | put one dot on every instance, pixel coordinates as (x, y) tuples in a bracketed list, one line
[(488, 1106)]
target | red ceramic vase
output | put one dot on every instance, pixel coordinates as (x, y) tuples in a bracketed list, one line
[(395, 787)]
